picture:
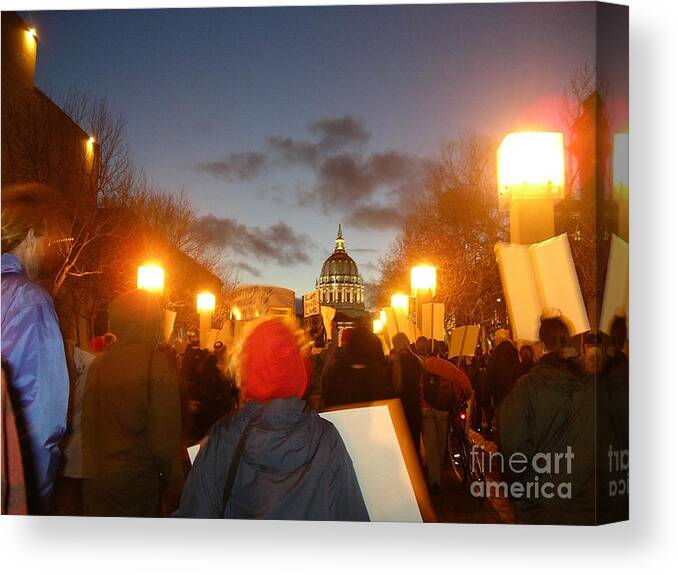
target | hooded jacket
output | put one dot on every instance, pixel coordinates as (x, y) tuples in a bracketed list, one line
[(293, 465), (131, 415), (33, 354), (548, 411)]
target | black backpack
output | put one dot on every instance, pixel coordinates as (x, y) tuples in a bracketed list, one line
[(438, 393)]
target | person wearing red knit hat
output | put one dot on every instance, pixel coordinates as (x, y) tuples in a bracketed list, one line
[(273, 458)]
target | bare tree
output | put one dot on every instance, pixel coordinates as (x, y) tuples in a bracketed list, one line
[(103, 209), (454, 226)]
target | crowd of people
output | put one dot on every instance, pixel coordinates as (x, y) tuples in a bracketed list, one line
[(104, 433)]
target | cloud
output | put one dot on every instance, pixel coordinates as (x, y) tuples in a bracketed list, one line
[(376, 217), (241, 166), (278, 243), (338, 132), (374, 190), (248, 268), (331, 135)]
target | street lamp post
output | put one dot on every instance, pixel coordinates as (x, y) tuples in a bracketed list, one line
[(151, 278), (205, 303), (423, 281), (530, 179)]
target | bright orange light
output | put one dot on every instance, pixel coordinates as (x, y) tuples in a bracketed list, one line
[(151, 277), (530, 165), (32, 34), (89, 147), (236, 313), (400, 302), (423, 278), (382, 317), (206, 302), (377, 326)]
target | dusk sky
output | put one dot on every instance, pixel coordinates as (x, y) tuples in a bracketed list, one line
[(279, 123)]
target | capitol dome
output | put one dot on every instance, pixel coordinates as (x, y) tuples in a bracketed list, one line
[(340, 284)]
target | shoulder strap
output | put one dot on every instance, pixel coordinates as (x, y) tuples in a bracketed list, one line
[(233, 468)]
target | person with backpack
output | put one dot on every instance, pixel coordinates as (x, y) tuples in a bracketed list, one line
[(443, 386)]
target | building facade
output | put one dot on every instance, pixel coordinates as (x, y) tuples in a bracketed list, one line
[(340, 284)]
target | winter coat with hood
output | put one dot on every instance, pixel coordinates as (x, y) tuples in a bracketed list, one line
[(131, 418), (37, 377), (548, 411), (293, 465)]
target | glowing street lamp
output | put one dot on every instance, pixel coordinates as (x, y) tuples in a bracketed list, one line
[(400, 302), (89, 150), (530, 179), (377, 326), (423, 279), (151, 278), (205, 303)]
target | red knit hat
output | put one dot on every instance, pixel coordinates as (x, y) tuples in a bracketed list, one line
[(272, 364)]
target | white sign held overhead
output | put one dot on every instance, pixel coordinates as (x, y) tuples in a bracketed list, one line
[(433, 321), (311, 303), (463, 341), (540, 278)]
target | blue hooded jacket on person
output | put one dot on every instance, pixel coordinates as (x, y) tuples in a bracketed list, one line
[(33, 354), (294, 464)]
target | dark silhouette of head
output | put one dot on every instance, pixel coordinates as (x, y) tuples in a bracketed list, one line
[(553, 333), (618, 333), (422, 345)]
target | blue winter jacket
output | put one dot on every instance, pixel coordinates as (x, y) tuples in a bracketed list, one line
[(294, 466), (33, 354)]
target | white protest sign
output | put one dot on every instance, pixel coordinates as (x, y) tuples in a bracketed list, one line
[(433, 321), (311, 303), (463, 340), (538, 278), (371, 441), (328, 314)]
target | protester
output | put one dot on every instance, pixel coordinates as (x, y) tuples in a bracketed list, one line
[(549, 411), (273, 459), (443, 387), (503, 367), (212, 395), (131, 421), (406, 370), (361, 375), (320, 353), (483, 412), (32, 345), (526, 356), (13, 496), (67, 496)]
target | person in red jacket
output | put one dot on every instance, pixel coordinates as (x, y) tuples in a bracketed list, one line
[(443, 385)]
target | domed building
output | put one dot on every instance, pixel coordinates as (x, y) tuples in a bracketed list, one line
[(340, 284)]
